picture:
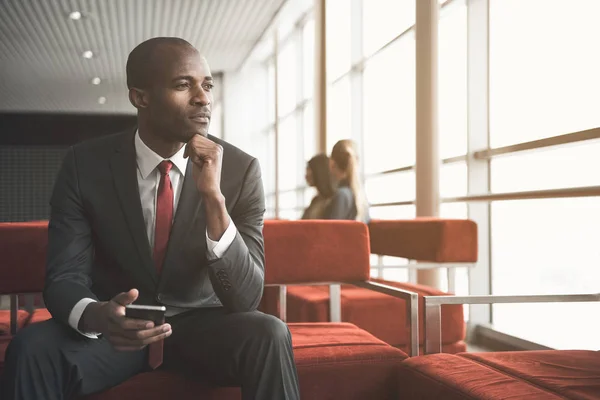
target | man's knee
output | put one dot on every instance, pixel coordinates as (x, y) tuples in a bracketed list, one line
[(268, 327), (35, 341)]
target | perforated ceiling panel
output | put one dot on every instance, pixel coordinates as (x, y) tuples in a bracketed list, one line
[(42, 68)]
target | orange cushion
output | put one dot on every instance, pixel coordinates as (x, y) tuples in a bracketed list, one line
[(22, 317), (23, 248), (39, 315), (574, 374), (451, 377), (382, 315), (315, 251), (425, 239), (158, 385), (341, 361)]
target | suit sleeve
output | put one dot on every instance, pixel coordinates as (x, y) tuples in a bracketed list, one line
[(238, 276), (340, 206), (70, 249)]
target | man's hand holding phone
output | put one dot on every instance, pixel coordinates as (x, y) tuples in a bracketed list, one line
[(125, 334)]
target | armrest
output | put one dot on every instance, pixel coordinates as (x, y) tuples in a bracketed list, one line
[(411, 298), (436, 240), (412, 309), (433, 324)]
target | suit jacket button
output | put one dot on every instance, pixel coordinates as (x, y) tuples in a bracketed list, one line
[(159, 297)]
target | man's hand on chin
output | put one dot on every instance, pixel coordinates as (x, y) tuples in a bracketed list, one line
[(207, 157)]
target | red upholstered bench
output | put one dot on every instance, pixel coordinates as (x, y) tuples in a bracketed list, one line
[(443, 241), (334, 360), (535, 375), (549, 374)]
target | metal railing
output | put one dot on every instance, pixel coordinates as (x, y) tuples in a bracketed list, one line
[(335, 304), (433, 310), (568, 138)]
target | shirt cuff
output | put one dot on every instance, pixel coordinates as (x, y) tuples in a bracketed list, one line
[(217, 249), (76, 314)]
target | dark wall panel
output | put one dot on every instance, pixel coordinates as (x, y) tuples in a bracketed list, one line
[(32, 147), (58, 129)]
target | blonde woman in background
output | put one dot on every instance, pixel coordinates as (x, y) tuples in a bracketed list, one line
[(349, 200)]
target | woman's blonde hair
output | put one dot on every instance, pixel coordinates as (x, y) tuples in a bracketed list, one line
[(345, 156)]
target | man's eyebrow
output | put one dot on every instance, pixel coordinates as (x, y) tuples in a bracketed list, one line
[(191, 78), (183, 77)]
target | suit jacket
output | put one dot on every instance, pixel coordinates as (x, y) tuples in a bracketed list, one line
[(98, 246)]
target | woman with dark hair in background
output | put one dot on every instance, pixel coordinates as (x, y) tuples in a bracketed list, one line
[(349, 201), (317, 175)]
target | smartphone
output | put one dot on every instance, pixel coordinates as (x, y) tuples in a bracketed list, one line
[(155, 314)]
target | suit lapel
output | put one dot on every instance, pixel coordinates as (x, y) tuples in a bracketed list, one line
[(124, 171), (186, 216)]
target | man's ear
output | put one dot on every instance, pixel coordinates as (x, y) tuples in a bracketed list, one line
[(138, 98)]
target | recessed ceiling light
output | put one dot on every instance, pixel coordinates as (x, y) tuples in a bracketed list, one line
[(75, 15), (101, 100), (88, 54), (96, 81)]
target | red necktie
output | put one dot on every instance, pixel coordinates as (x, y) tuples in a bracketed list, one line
[(162, 230)]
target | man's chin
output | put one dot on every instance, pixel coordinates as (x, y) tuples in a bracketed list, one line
[(189, 134)]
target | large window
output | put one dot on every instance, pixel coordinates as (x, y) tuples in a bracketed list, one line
[(389, 107), (544, 82), (308, 59), (338, 112), (541, 247), (287, 78), (452, 72), (383, 20), (388, 188), (338, 38), (288, 153), (552, 168), (544, 67)]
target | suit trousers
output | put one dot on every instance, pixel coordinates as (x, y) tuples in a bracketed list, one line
[(49, 360)]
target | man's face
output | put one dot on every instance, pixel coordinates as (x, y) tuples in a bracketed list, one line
[(181, 95)]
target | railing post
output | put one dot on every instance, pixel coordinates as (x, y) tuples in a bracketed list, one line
[(283, 303), (335, 303)]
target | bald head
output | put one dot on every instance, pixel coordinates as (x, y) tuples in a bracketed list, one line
[(170, 85), (149, 57)]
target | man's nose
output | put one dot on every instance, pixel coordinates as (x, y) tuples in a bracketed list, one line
[(201, 97)]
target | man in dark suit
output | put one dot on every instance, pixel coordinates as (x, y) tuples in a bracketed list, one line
[(175, 214)]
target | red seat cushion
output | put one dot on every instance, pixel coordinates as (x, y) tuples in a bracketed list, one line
[(451, 377), (380, 314), (5, 320), (574, 374), (334, 361), (341, 361), (40, 315), (159, 385)]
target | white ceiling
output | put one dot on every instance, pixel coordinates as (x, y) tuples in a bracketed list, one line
[(41, 63)]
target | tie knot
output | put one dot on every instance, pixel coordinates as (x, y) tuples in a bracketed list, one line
[(165, 166)]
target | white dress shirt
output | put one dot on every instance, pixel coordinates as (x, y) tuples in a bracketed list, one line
[(148, 178)]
